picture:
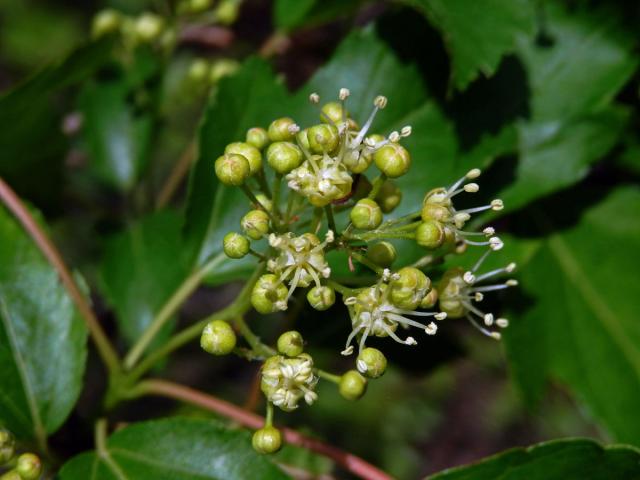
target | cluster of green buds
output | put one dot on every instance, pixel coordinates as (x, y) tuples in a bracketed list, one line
[(25, 466), (148, 28), (336, 181), (223, 12), (206, 73)]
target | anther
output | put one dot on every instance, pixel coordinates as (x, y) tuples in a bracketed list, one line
[(471, 187), (497, 204), (431, 329), (380, 101), (344, 93), (314, 98), (473, 173)]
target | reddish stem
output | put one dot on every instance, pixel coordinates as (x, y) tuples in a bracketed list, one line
[(350, 462), (48, 249)]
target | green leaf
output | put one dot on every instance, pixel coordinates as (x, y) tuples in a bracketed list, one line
[(140, 270), (117, 137), (586, 60), (251, 98), (478, 34), (42, 339), (554, 460), (582, 328), (289, 13), (176, 449), (292, 14), (31, 139)]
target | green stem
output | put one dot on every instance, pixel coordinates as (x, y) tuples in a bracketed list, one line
[(103, 452), (317, 217), (277, 183), (252, 339), (366, 237), (377, 185), (268, 421), (191, 283), (328, 210), (262, 183), (405, 218), (366, 262), (328, 376), (247, 191), (257, 254), (239, 306), (345, 291), (291, 199), (403, 228)]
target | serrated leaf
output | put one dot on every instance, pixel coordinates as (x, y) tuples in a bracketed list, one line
[(141, 268), (554, 460), (176, 449), (582, 329), (478, 34), (42, 339)]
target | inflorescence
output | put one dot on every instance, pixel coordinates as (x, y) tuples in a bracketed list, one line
[(314, 175)]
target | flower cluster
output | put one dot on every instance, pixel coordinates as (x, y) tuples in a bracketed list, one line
[(25, 466), (340, 177)]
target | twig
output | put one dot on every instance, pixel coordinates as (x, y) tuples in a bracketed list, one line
[(350, 462), (48, 249), (179, 171)]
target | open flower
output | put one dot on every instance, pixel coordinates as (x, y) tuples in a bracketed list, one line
[(285, 381)]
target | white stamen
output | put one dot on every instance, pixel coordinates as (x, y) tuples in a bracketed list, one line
[(410, 341), (495, 243), (431, 329), (469, 278), (344, 93), (511, 282), (502, 322), (314, 98), (380, 101), (440, 315), (489, 231), (497, 204), (293, 129), (510, 268), (471, 187), (496, 335), (394, 137), (488, 319), (347, 351), (405, 131)]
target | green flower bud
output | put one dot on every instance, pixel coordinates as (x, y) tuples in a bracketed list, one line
[(232, 169), (393, 160), (7, 446), (284, 156), (430, 299), (352, 385), (106, 22), (269, 295), (321, 298), (227, 12), (198, 71), (251, 153), (434, 211), (280, 130), (409, 287), (29, 466), (218, 338), (323, 138), (371, 362), (265, 203), (290, 344), (382, 253), (303, 139), (332, 110), (148, 27), (224, 67), (235, 245), (430, 234), (267, 440), (366, 214), (199, 5), (257, 137), (255, 224), (449, 293), (389, 196)]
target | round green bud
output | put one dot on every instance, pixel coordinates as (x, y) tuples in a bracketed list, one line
[(366, 214), (284, 156), (371, 362), (255, 224), (257, 137), (321, 298), (218, 338), (227, 12), (251, 153), (352, 385), (435, 211), (106, 22), (7, 446), (280, 130), (290, 344), (232, 169), (409, 287), (267, 440), (29, 466), (393, 160), (148, 27), (269, 294), (198, 71), (382, 253), (235, 245), (430, 299), (430, 234), (323, 138), (389, 196), (332, 113), (265, 203)]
